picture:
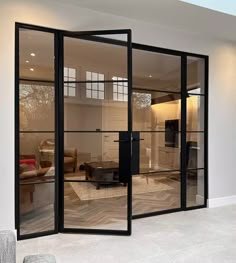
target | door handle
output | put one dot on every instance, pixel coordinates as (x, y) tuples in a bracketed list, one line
[(121, 141)]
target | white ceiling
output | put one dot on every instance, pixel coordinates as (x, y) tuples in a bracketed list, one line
[(169, 13)]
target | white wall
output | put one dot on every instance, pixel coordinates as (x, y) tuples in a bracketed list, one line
[(222, 91)]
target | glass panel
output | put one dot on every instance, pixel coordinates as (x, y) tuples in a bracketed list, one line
[(101, 86), (101, 95), (37, 188), (72, 92), (100, 200), (195, 113), (155, 111), (156, 71), (88, 75), (94, 76), (154, 192), (37, 108), (120, 97), (94, 94), (196, 75), (156, 154), (195, 187), (85, 114), (195, 150), (105, 208), (95, 57), (72, 73), (92, 147), (120, 89), (36, 55), (65, 90)]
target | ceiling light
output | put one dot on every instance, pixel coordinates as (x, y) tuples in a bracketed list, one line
[(32, 69), (27, 61), (32, 54), (150, 76)]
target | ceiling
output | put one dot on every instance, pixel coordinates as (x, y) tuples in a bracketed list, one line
[(168, 13), (228, 6)]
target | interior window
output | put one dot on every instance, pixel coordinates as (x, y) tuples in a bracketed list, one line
[(120, 89), (69, 79), (94, 88)]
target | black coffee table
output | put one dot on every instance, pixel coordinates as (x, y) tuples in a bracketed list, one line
[(106, 172)]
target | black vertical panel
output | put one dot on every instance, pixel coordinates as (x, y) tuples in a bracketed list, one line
[(135, 161), (124, 156)]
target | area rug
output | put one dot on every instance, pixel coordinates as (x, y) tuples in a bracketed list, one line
[(88, 191)]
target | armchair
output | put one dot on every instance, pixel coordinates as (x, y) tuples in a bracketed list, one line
[(47, 150)]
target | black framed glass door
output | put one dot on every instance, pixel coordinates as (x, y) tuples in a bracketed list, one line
[(96, 183), (86, 124)]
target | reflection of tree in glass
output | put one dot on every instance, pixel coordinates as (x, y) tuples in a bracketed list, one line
[(36, 107), (141, 100)]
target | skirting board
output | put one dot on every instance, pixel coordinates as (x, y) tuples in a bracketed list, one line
[(221, 201)]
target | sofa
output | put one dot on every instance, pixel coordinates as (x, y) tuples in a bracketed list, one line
[(8, 251)]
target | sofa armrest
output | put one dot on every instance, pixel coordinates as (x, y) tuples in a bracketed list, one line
[(7, 247)]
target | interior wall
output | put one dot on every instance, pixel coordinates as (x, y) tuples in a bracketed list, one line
[(222, 127)]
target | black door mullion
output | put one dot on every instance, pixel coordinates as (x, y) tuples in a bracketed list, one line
[(183, 130), (60, 137), (130, 75)]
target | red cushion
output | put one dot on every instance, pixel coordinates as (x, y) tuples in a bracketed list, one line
[(28, 161)]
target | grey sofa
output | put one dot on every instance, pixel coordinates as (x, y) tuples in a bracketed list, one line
[(8, 251)]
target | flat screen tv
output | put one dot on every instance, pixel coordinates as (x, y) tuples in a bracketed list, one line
[(172, 133)]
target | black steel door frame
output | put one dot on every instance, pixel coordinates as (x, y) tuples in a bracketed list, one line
[(59, 133), (96, 36)]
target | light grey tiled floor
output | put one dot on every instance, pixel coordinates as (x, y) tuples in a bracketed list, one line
[(199, 236)]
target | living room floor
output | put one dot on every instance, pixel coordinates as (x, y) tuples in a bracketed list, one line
[(205, 235)]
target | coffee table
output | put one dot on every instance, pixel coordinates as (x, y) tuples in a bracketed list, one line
[(101, 173)]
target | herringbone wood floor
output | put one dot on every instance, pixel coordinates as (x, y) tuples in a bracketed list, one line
[(107, 213)]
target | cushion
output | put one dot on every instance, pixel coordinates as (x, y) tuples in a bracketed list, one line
[(40, 259), (28, 164)]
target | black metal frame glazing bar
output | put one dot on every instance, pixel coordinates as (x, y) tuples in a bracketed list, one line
[(155, 90), (96, 81), (161, 171), (17, 134), (57, 130), (183, 129), (37, 80), (61, 130), (161, 212), (130, 128), (33, 183), (36, 131), (206, 130)]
